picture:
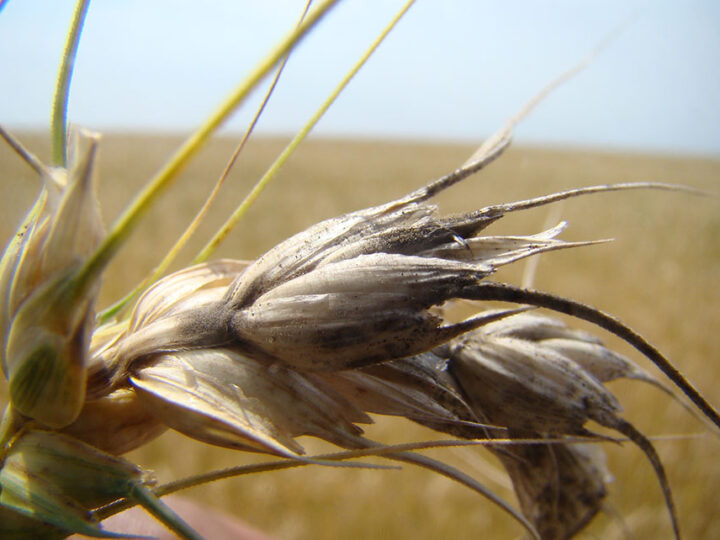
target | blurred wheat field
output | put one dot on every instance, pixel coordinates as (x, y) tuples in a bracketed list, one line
[(659, 276)]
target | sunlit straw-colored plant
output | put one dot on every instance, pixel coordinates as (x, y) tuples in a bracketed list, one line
[(341, 320)]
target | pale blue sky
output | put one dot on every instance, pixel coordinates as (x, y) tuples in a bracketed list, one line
[(453, 70)]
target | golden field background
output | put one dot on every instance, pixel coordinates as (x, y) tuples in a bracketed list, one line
[(660, 276)]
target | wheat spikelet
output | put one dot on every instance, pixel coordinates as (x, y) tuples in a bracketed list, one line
[(342, 320)]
